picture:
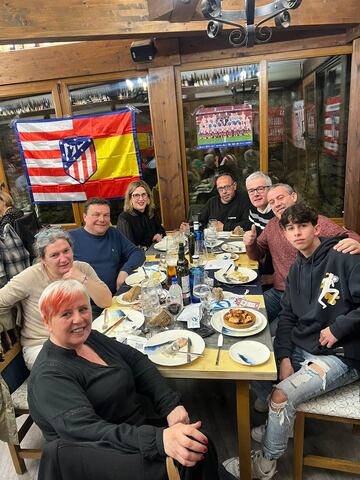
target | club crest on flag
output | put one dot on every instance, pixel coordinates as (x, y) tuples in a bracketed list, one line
[(78, 157)]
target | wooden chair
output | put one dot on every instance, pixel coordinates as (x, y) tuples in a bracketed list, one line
[(15, 373), (342, 406)]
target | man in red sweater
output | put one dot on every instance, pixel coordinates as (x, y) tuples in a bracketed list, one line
[(273, 240)]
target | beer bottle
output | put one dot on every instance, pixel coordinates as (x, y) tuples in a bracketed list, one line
[(183, 275)]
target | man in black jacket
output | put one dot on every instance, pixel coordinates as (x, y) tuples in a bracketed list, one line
[(317, 343), (230, 207)]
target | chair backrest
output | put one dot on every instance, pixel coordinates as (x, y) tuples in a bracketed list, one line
[(27, 227)]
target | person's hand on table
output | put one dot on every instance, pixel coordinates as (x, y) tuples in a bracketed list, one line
[(327, 339), (178, 415), (121, 279), (185, 443), (157, 237), (184, 227), (348, 245), (286, 368), (250, 236)]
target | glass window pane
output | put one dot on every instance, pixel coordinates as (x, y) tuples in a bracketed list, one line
[(107, 97), (35, 107), (308, 114), (221, 122)]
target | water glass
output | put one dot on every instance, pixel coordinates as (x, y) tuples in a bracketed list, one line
[(150, 299)]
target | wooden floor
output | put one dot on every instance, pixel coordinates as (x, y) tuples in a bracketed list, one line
[(214, 403)]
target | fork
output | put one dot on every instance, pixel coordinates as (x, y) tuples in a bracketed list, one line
[(225, 274)]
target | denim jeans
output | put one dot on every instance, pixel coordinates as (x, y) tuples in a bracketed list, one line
[(303, 385)]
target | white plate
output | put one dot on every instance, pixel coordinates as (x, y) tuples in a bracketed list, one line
[(121, 301), (227, 256), (137, 319), (256, 352), (216, 244), (217, 323), (198, 346), (219, 275), (223, 235), (234, 247), (137, 277)]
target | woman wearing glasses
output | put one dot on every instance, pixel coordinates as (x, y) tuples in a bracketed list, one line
[(138, 221), (55, 262)]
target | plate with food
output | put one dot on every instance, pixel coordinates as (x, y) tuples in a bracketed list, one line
[(233, 247), (227, 256), (117, 321), (223, 235), (238, 322), (174, 347), (217, 243), (131, 297), (236, 275), (249, 353), (237, 232), (137, 277)]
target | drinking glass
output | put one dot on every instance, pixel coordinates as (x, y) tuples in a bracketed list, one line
[(200, 252), (204, 292), (149, 301), (174, 305), (211, 234)]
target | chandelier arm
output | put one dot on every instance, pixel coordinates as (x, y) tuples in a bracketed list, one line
[(270, 17)]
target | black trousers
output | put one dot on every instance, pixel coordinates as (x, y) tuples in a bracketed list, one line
[(63, 460)]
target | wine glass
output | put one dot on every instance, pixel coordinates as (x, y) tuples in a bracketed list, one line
[(174, 305), (200, 252)]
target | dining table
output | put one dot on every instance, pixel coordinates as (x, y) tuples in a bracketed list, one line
[(206, 366)]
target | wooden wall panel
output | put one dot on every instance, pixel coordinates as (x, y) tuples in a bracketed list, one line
[(165, 127), (352, 177), (77, 59)]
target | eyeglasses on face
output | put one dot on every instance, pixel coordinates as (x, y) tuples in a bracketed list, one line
[(251, 191), (225, 188), (98, 215), (137, 196)]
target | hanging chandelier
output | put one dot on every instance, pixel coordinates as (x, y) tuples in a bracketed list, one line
[(252, 31)]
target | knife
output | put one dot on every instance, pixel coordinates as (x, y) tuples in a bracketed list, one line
[(219, 344), (115, 324), (188, 356)]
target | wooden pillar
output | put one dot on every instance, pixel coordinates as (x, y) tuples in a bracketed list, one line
[(165, 127), (352, 175)]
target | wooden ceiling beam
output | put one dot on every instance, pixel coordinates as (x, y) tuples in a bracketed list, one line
[(23, 21)]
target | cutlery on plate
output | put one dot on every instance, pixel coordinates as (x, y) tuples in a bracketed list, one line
[(220, 342), (145, 273), (154, 348), (191, 354), (105, 322), (246, 359), (188, 348), (225, 274), (115, 324)]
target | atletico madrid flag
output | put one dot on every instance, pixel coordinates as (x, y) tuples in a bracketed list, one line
[(73, 159)]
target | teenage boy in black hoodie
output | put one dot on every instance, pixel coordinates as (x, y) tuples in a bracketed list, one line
[(317, 342)]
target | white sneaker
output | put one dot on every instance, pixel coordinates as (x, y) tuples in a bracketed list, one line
[(261, 467), (232, 466), (257, 433)]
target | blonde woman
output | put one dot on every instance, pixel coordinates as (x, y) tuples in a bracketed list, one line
[(8, 212), (138, 221)]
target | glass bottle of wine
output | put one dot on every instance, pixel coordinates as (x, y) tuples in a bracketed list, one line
[(183, 275)]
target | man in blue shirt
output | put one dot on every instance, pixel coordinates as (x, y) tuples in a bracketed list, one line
[(107, 250)]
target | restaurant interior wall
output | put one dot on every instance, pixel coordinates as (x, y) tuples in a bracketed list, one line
[(61, 91)]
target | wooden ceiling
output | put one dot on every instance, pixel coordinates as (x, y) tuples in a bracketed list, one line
[(23, 21)]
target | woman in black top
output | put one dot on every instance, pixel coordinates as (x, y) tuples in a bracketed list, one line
[(138, 221), (83, 394), (8, 212)]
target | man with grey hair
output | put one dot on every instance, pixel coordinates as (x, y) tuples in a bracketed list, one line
[(257, 186), (272, 239)]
